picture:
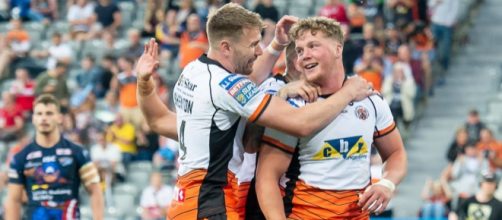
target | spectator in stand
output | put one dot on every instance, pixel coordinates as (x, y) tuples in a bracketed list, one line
[(57, 52), (148, 143), (108, 70), (387, 65), (412, 68), (474, 126), (369, 35), (90, 75), (11, 119), (444, 16), (457, 147), (123, 134), (193, 41), (370, 68), (186, 9), (437, 196), (335, 9), (155, 198), (16, 45), (46, 8), (135, 48), (210, 7), (154, 14), (165, 157), (23, 89), (267, 10), (167, 34), (127, 87), (352, 50), (80, 18), (483, 205), (466, 171), (357, 18), (401, 12), (107, 14), (373, 9), (53, 81), (108, 159), (392, 42), (399, 91), (491, 149), (4, 11)]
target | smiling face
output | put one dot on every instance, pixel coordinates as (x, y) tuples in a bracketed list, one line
[(317, 55), (246, 50)]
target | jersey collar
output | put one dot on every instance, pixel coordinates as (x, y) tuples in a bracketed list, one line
[(204, 59)]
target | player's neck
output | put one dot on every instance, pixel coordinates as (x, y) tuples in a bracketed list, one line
[(332, 83), (220, 58), (48, 140)]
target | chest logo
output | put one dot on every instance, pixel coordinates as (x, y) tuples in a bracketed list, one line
[(350, 148), (362, 113)]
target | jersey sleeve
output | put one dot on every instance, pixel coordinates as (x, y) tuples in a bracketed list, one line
[(238, 94), (384, 120), (16, 170), (280, 140)]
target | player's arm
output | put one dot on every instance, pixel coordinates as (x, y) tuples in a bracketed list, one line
[(305, 121), (265, 63), (14, 200), (376, 197), (272, 164), (90, 178), (159, 118)]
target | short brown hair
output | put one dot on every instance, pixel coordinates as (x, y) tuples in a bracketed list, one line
[(47, 99), (329, 27), (229, 21)]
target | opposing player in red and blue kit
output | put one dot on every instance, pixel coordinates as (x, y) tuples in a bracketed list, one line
[(51, 170)]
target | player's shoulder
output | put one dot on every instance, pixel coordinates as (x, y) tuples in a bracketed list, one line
[(31, 150)]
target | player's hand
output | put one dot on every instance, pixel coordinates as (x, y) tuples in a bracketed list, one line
[(375, 199), (149, 60), (282, 29), (358, 88), (300, 88)]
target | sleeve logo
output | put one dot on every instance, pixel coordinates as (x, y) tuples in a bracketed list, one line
[(240, 88)]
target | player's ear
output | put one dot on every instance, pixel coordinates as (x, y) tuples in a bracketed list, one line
[(225, 47)]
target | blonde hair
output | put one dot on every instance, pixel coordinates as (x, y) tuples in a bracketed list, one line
[(329, 27), (229, 21)]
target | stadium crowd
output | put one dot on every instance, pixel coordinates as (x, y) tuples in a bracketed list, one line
[(84, 53)]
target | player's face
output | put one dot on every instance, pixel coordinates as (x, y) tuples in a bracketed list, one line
[(317, 55), (46, 118), (246, 51)]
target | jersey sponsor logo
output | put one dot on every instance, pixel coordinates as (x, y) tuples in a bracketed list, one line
[(350, 148), (179, 194), (240, 88), (63, 151), (49, 159), (362, 112), (12, 173), (65, 161), (33, 155)]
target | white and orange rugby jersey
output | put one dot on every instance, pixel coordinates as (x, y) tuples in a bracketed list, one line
[(338, 156), (210, 101)]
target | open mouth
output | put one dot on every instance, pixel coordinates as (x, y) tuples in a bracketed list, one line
[(310, 66)]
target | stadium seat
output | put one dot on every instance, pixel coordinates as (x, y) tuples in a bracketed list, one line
[(141, 166), (139, 178), (125, 204)]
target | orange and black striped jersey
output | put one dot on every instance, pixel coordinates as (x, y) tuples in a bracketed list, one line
[(330, 167), (210, 102)]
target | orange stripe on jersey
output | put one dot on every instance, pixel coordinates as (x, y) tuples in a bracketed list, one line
[(384, 131), (185, 200), (231, 201), (264, 103), (242, 195), (314, 203), (275, 143)]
